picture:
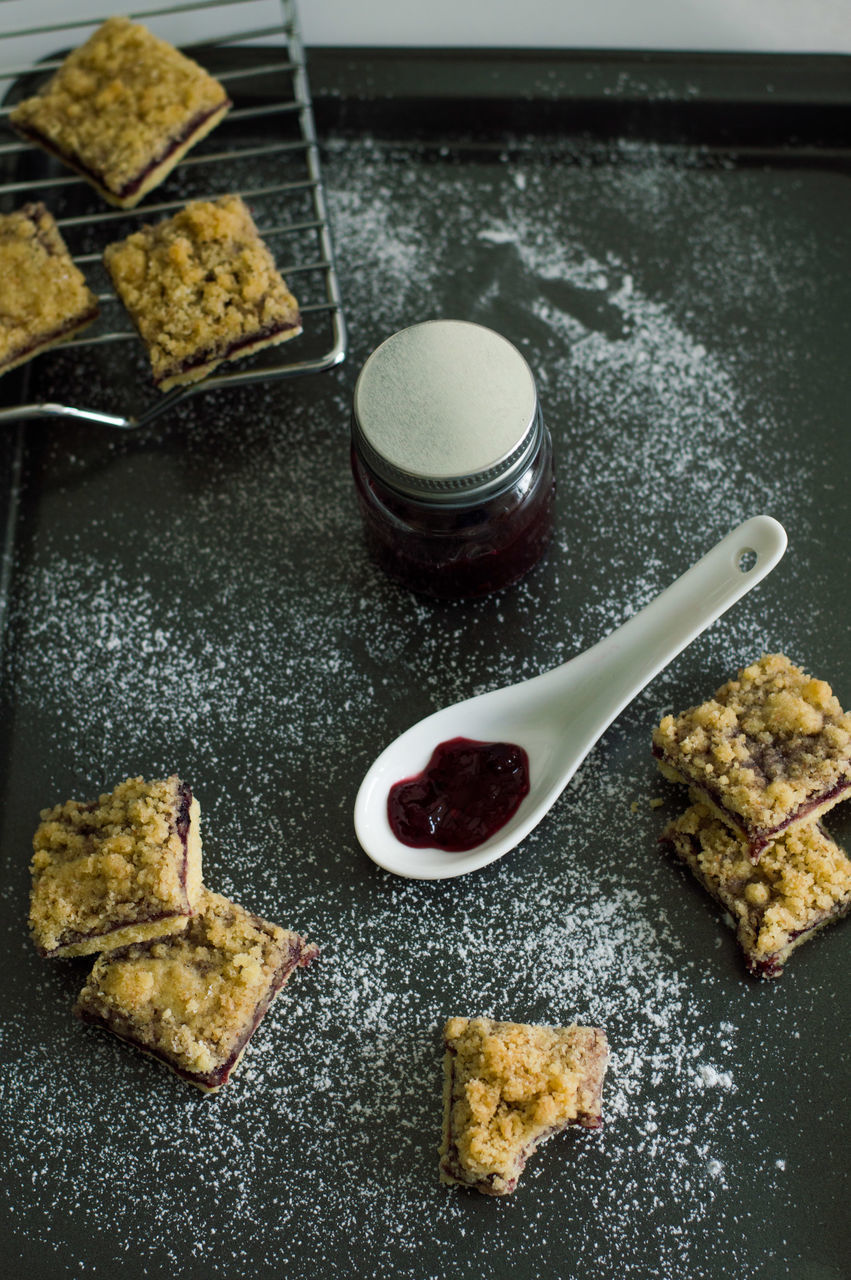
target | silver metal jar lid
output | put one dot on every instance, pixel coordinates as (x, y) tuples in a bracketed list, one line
[(446, 410)]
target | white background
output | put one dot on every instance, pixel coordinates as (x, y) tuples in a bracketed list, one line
[(822, 26)]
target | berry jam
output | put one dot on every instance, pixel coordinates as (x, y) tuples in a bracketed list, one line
[(466, 793), (459, 552)]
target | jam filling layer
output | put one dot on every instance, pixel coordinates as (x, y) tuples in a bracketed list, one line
[(226, 351), (759, 837), (72, 937), (132, 185), (54, 335)]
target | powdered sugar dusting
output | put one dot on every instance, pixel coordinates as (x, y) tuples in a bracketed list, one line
[(201, 600)]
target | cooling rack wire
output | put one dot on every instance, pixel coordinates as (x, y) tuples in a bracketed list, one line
[(254, 48)]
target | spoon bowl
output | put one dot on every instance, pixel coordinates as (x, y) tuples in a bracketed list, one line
[(558, 716)]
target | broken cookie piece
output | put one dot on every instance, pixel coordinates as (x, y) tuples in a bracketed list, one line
[(122, 110), (801, 883), (121, 869), (201, 288), (45, 297), (194, 1000), (770, 750), (507, 1088)]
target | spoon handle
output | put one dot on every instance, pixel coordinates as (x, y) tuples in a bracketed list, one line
[(620, 665)]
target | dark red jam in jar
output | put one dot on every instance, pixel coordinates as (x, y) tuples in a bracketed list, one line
[(452, 461)]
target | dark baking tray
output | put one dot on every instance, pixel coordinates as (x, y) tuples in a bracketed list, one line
[(667, 239)]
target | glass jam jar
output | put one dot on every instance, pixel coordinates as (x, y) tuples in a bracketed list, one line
[(452, 461)]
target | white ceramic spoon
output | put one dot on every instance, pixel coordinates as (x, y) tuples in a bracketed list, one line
[(558, 716)]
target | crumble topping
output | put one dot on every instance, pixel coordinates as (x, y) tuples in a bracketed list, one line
[(118, 870), (194, 999), (508, 1086), (119, 104), (770, 748), (45, 297), (801, 882), (201, 287)]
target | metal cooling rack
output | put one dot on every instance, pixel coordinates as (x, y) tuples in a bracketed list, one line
[(254, 47)]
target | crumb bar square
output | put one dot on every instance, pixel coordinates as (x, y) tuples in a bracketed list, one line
[(771, 749), (801, 883), (507, 1088), (195, 999), (202, 287), (121, 869), (45, 297), (122, 110)]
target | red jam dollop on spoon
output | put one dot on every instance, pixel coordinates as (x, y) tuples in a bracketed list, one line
[(467, 791)]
